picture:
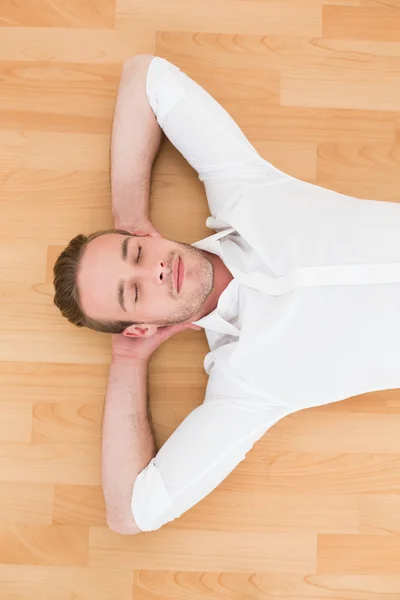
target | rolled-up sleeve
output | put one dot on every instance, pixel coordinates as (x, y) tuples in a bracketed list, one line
[(202, 451), (205, 134)]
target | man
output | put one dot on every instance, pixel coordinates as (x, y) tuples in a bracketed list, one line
[(298, 291)]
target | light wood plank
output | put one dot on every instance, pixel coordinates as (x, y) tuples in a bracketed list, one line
[(301, 471), (358, 554), (74, 423), (283, 54), (52, 382), (79, 505), (64, 583), (380, 513), (33, 150), (308, 90), (375, 22), (15, 422), (56, 13), (94, 46), (227, 16), (204, 550), (50, 463), (26, 502), (271, 511), (43, 545), (182, 585)]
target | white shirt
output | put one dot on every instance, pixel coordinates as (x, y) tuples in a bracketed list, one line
[(311, 316)]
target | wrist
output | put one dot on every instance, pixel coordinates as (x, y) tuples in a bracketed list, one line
[(130, 224), (130, 206), (130, 360)]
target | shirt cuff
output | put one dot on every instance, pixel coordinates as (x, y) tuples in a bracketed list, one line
[(150, 499)]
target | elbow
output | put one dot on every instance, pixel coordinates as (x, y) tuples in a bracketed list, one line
[(136, 62), (122, 527), (121, 522)]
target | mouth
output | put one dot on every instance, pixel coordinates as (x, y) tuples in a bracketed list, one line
[(178, 274)]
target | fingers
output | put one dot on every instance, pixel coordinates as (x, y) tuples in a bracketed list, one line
[(142, 233)]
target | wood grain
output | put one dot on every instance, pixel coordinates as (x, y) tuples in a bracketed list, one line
[(313, 512), (57, 13)]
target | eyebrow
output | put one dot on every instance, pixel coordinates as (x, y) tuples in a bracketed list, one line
[(124, 256), (121, 295), (124, 248)]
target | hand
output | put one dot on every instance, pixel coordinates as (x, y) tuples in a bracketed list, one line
[(141, 348), (142, 227), (146, 228)]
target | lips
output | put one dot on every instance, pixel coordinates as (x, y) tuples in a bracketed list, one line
[(181, 274), (178, 274), (175, 273)]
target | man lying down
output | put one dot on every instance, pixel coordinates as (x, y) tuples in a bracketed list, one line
[(298, 292)]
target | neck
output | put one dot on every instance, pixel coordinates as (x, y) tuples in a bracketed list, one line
[(222, 278)]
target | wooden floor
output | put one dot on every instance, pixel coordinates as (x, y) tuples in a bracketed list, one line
[(314, 511)]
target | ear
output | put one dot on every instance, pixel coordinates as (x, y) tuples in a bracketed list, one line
[(140, 331)]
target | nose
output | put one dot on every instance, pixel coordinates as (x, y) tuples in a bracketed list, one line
[(160, 275), (156, 273)]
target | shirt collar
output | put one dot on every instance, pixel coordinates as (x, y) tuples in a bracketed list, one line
[(214, 321), (212, 242)]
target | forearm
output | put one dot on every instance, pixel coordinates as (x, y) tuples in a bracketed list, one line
[(127, 440), (135, 142)]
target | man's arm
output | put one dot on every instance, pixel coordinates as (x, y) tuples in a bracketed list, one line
[(200, 454), (135, 141), (155, 96), (127, 440), (144, 490)]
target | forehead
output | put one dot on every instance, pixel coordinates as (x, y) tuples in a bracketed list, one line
[(101, 253), (98, 275), (101, 247)]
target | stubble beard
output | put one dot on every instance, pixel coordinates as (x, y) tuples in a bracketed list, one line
[(196, 299)]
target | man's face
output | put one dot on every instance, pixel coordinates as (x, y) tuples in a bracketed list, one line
[(143, 279)]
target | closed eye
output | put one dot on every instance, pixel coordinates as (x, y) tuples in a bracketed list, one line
[(139, 254)]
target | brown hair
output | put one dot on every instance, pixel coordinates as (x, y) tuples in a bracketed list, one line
[(66, 296)]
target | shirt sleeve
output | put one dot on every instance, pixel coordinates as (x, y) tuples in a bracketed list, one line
[(202, 451), (205, 134)]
